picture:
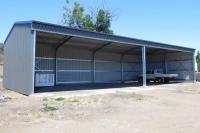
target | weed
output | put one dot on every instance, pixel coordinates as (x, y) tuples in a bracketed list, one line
[(45, 99), (48, 108), (74, 101), (60, 99), (139, 98)]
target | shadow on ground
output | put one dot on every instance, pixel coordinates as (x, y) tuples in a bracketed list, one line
[(74, 87)]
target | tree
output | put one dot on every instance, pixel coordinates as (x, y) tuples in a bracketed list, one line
[(103, 21), (198, 60), (88, 23), (76, 17)]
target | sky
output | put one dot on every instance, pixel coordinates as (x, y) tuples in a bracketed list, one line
[(175, 22)]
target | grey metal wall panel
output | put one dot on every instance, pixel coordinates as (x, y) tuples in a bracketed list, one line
[(109, 64), (132, 67), (45, 50), (73, 70), (107, 67), (73, 63), (19, 60), (155, 65), (47, 64), (74, 53), (130, 75), (107, 56), (132, 58), (65, 77), (70, 64), (108, 76), (155, 61), (181, 63)]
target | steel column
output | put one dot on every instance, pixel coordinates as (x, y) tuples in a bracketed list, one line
[(144, 65), (34, 60), (194, 72)]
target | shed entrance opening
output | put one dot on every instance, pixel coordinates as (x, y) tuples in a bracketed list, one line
[(71, 60)]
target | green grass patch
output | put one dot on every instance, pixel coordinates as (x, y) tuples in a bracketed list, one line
[(60, 99), (48, 108), (74, 101), (45, 99)]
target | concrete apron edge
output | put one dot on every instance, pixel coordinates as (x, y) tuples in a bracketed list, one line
[(86, 93)]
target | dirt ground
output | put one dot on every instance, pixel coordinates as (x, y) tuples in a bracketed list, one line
[(163, 109)]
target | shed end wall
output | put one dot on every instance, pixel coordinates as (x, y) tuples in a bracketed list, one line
[(19, 60)]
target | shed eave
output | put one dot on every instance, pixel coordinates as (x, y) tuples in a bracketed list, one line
[(59, 29), (63, 30)]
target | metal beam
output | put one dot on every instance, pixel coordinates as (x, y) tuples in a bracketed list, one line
[(101, 47), (155, 51), (115, 52), (144, 65), (129, 50), (56, 50), (164, 51), (63, 42), (63, 30)]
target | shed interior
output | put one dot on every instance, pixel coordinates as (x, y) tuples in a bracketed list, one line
[(82, 60)]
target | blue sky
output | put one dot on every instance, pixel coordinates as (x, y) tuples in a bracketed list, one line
[(169, 21)]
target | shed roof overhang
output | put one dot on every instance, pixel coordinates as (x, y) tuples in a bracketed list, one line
[(90, 44), (117, 41)]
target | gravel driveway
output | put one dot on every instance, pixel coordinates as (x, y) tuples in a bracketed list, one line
[(162, 109)]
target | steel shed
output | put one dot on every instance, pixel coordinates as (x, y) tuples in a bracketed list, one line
[(43, 54)]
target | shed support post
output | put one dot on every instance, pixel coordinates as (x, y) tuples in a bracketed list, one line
[(144, 65), (55, 67), (34, 56), (194, 72), (122, 68)]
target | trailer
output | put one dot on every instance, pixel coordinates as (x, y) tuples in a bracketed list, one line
[(157, 75)]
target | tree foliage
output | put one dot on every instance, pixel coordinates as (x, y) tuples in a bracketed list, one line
[(76, 17), (198, 60), (103, 21)]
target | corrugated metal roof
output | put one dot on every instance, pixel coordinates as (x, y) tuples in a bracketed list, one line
[(59, 29)]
